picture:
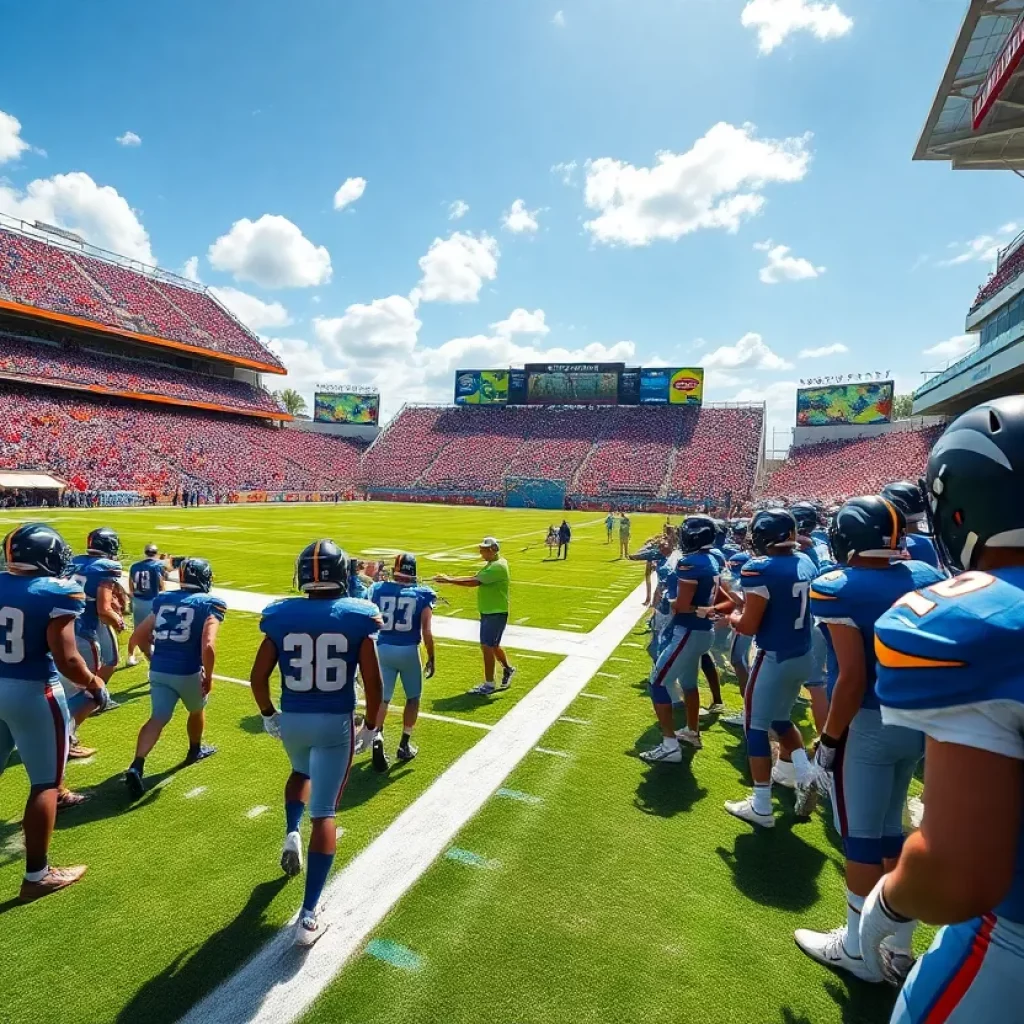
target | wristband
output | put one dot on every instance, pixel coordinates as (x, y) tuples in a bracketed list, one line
[(827, 741), (887, 909)]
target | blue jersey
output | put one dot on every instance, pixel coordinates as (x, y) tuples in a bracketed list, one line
[(91, 572), (950, 665), (857, 596), (318, 643), (719, 556), (27, 605), (729, 549), (146, 576), (358, 589), (922, 549), (737, 561), (178, 632), (784, 581), (702, 568), (401, 611)]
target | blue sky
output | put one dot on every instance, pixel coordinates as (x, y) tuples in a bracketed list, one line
[(505, 197)]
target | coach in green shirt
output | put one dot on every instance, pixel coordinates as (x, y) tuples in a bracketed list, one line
[(492, 599)]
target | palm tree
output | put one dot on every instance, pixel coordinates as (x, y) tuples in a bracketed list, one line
[(292, 401)]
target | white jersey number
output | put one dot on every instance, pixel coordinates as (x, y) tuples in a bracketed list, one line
[(179, 632), (12, 635), (801, 590), (398, 613), (316, 663)]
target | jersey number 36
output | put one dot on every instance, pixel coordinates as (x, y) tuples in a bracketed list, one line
[(317, 663)]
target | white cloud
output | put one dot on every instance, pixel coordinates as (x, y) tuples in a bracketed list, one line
[(983, 249), (253, 312), (749, 353), (782, 266), (12, 145), (715, 184), (566, 171), (522, 321), (517, 218), (190, 269), (383, 332), (953, 348), (455, 268), (826, 350), (780, 406), (271, 252), (76, 203), (457, 210), (351, 189), (775, 20), (559, 19), (129, 139)]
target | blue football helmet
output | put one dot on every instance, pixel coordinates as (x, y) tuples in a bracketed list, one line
[(771, 526), (196, 574), (321, 565), (908, 498), (806, 516), (721, 532), (870, 526), (697, 533), (974, 483), (740, 528), (103, 541), (405, 565), (37, 548)]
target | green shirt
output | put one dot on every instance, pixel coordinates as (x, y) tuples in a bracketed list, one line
[(492, 594)]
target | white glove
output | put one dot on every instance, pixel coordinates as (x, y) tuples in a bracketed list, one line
[(878, 922), (823, 765), (272, 725)]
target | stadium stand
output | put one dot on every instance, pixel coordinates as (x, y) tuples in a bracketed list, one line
[(1009, 270), (406, 447), (48, 277), (833, 471), (721, 453)]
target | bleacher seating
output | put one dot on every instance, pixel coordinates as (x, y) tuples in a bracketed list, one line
[(67, 363), (720, 454), (407, 447), (48, 277), (1008, 270), (833, 471)]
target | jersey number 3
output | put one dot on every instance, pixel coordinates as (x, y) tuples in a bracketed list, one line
[(12, 635), (398, 619), (316, 663)]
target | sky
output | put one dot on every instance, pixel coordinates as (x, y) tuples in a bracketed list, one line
[(389, 190)]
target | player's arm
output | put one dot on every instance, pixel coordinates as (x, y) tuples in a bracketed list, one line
[(369, 670), (684, 596), (945, 874), (60, 638), (210, 629), (852, 681), (427, 631), (105, 605), (458, 581), (748, 621), (131, 584), (259, 677), (142, 636)]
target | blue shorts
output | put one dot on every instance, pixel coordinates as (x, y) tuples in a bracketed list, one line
[(675, 671), (739, 652), (400, 661), (34, 719), (141, 609), (492, 628), (166, 690), (872, 774), (319, 746), (773, 688), (819, 652), (972, 974)]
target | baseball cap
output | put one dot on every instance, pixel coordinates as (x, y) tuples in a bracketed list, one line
[(151, 549), (490, 542)]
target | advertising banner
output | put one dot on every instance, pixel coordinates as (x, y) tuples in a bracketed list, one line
[(667, 385), (481, 387), (864, 403)]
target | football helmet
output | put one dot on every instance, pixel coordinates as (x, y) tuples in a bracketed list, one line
[(36, 547), (870, 526), (740, 528), (321, 565), (908, 498), (103, 541), (806, 516), (405, 565), (770, 527), (196, 574), (697, 533)]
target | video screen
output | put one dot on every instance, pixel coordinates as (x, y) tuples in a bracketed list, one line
[(844, 403), (481, 387), (362, 410), (573, 384)]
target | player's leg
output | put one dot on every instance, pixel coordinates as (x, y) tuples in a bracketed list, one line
[(140, 612), (162, 699), (109, 654), (390, 666), (190, 691), (710, 670), (739, 658), (412, 684), (687, 669), (816, 680), (495, 630), (297, 740)]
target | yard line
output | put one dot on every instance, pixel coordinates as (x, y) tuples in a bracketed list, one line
[(278, 984), (603, 675), (593, 696), (574, 721), (548, 750), (231, 679)]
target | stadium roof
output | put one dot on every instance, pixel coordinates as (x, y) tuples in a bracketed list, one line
[(977, 117)]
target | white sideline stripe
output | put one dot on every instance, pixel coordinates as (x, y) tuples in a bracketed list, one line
[(553, 753), (603, 675), (594, 696), (278, 984), (231, 679), (574, 721)]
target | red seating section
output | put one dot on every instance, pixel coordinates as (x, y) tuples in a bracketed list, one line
[(37, 274), (833, 471), (1009, 269)]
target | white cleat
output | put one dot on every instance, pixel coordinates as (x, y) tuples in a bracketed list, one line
[(744, 810), (686, 735), (712, 710), (132, 661), (739, 719), (807, 793), (291, 855), (784, 774), (309, 927), (661, 754), (829, 948), (364, 740)]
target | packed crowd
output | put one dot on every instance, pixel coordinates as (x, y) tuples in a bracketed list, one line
[(37, 274), (1011, 268), (66, 362)]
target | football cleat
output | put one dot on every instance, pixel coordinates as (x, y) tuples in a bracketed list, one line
[(380, 756), (200, 754), (76, 752), (133, 780), (807, 793), (291, 855), (406, 753), (829, 948), (784, 774), (309, 927), (662, 754), (53, 881), (744, 810), (507, 672), (132, 662), (713, 709), (482, 690), (690, 736), (739, 719)]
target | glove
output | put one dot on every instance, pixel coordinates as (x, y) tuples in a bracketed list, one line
[(824, 764), (102, 698), (878, 922), (272, 725), (428, 669)]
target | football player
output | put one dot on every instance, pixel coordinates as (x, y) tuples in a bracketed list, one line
[(181, 632), (950, 665), (739, 647), (146, 579), (907, 497), (406, 611), (38, 609), (869, 764), (316, 642), (776, 587), (97, 628), (691, 589), (806, 516)]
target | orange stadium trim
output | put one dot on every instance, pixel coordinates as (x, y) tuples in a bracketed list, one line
[(181, 346)]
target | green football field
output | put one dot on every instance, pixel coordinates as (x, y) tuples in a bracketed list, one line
[(587, 886)]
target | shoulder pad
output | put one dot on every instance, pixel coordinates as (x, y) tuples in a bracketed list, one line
[(756, 566), (829, 585)]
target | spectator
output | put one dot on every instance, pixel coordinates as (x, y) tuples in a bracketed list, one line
[(564, 536)]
